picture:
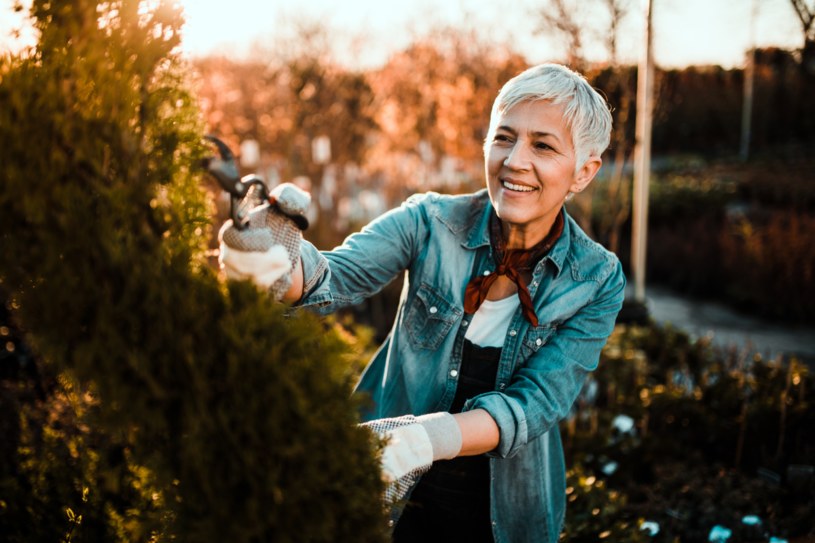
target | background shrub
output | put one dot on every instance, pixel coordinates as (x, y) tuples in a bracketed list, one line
[(740, 234), (690, 437)]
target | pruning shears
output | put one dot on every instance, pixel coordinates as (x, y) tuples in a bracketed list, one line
[(244, 193)]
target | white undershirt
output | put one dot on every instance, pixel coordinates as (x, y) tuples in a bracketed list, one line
[(490, 322)]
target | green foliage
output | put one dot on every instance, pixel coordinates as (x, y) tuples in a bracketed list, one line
[(715, 437), (595, 513), (681, 195), (177, 408), (781, 178)]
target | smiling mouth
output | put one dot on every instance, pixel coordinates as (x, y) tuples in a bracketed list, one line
[(516, 188)]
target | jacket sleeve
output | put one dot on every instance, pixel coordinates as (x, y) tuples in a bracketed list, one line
[(543, 389), (366, 261)]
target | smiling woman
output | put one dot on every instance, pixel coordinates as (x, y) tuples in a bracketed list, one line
[(505, 308), (531, 166)]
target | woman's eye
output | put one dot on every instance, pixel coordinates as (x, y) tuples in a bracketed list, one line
[(542, 146), (501, 137)]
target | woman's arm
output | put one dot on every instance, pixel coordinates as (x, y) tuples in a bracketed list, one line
[(295, 292), (479, 432), (414, 443), (365, 262)]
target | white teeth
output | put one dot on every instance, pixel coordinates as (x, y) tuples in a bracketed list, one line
[(519, 188)]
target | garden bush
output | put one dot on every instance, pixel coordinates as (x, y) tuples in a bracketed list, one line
[(690, 437), (166, 405)]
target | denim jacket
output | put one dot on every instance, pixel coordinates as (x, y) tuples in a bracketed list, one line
[(440, 242)]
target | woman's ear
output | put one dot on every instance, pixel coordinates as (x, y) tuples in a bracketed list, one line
[(586, 173)]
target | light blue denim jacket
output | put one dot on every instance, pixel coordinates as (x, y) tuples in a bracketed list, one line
[(441, 242)]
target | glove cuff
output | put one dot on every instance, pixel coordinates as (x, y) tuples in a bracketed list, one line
[(444, 434)]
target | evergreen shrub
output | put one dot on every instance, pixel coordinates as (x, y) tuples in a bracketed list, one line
[(175, 406)]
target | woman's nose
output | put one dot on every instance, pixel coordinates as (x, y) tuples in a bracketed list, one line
[(516, 159)]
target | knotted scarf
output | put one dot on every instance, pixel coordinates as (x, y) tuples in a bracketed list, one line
[(512, 263)]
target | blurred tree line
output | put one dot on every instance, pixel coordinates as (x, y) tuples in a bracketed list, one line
[(698, 109), (431, 101)]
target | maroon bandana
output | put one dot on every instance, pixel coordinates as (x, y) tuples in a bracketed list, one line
[(511, 262)]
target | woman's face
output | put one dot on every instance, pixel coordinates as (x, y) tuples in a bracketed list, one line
[(530, 169)]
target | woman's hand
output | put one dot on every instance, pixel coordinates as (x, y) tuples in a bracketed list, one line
[(412, 445), (267, 250)]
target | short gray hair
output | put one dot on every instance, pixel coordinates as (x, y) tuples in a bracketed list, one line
[(585, 111)]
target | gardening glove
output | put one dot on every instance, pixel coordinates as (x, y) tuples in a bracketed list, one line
[(413, 444), (268, 247)]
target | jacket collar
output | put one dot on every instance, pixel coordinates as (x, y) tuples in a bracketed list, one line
[(560, 250), (468, 217)]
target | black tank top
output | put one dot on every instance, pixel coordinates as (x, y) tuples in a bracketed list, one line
[(454, 496)]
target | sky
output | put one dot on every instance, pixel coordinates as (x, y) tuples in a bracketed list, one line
[(367, 32)]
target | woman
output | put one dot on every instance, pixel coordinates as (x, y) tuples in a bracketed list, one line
[(505, 307)]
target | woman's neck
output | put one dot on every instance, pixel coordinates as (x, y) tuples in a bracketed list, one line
[(524, 236)]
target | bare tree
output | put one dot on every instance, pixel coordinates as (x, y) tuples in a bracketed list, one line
[(563, 18), (617, 191), (617, 9), (807, 17)]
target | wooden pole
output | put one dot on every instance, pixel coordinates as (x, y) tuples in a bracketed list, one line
[(642, 159), (749, 76)]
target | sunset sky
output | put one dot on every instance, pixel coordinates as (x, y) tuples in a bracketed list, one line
[(366, 32)]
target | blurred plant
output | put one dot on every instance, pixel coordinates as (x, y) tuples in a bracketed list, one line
[(771, 264), (725, 232), (692, 437), (596, 513), (432, 104)]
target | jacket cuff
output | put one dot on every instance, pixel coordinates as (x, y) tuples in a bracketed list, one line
[(316, 275)]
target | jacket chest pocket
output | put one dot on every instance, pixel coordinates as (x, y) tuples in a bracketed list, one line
[(536, 338), (430, 318)]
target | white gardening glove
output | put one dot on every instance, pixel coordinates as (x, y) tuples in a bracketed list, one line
[(268, 248), (413, 444)]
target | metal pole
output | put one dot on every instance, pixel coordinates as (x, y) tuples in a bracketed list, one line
[(642, 160)]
